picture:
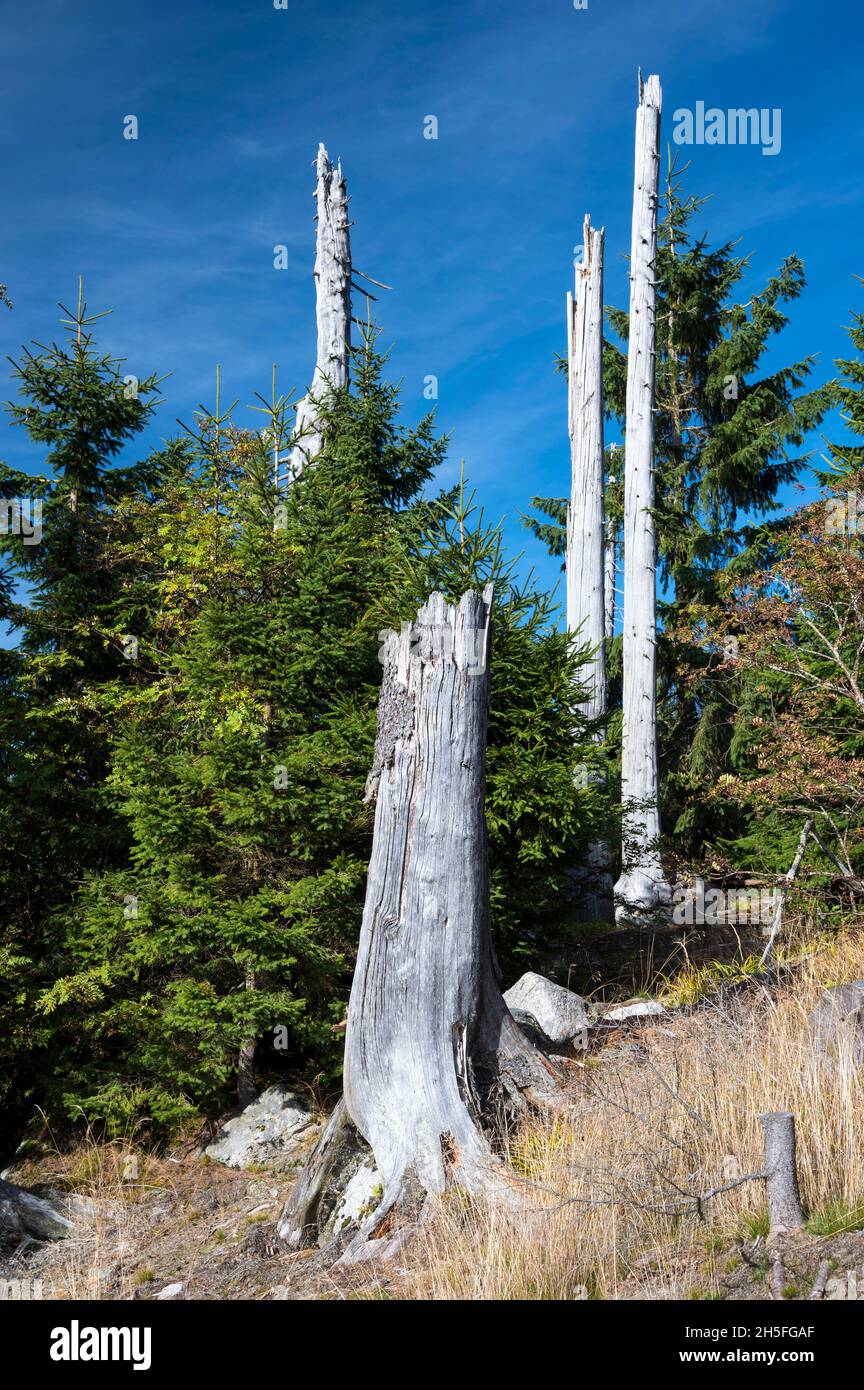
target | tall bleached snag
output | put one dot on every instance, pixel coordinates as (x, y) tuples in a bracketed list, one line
[(431, 1051), (585, 517), (642, 885), (586, 528), (332, 309)]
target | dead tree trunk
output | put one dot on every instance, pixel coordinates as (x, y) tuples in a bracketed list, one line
[(332, 310), (585, 517), (430, 1047), (432, 1054), (781, 1173), (642, 885), (586, 525)]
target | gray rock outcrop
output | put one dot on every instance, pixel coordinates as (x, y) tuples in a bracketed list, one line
[(560, 1014), (273, 1132)]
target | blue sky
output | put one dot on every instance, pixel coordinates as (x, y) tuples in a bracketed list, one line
[(475, 230)]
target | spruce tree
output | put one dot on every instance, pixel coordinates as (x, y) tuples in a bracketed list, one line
[(782, 657), (727, 438), (222, 951), (239, 762), (845, 458), (64, 597)]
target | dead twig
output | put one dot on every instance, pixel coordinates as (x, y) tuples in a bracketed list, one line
[(791, 875)]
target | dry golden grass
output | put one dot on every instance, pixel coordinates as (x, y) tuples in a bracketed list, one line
[(659, 1118), (656, 1123), (99, 1174), (110, 1182)]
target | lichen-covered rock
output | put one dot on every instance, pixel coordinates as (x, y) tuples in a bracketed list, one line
[(338, 1187), (560, 1014), (359, 1199), (273, 1132), (171, 1291), (23, 1215)]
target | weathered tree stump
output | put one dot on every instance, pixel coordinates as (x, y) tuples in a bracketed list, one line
[(432, 1055), (781, 1173)]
